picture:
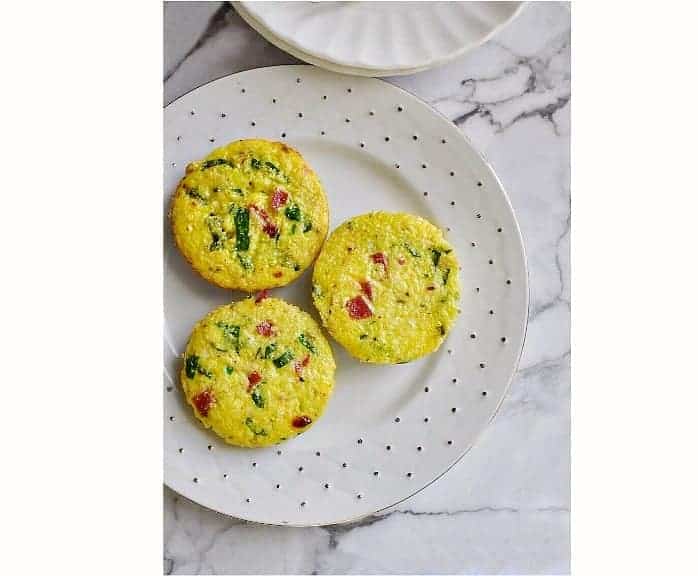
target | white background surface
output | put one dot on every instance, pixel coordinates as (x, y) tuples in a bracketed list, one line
[(634, 333), (505, 507)]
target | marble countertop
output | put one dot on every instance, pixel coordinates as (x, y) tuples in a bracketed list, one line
[(505, 507)]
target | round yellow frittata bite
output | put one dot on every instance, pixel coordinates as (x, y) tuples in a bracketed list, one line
[(251, 215), (386, 286), (258, 371)]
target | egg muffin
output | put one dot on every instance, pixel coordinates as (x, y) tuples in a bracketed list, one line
[(386, 286), (249, 216), (257, 372)]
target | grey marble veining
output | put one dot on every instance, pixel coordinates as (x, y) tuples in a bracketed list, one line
[(505, 507)]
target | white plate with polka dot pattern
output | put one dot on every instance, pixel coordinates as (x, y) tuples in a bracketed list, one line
[(388, 431)]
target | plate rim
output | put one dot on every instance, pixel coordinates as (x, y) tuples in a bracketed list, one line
[(515, 366), (334, 65)]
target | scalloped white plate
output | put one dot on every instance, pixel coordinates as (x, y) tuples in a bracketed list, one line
[(374, 147), (377, 38)]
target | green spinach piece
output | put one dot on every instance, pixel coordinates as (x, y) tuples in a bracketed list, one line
[(256, 164), (256, 431), (191, 366), (229, 370), (242, 229), (216, 162), (445, 274), (194, 193), (245, 261), (284, 359), (308, 226), (218, 236), (269, 350), (232, 333), (257, 397), (293, 212), (272, 167), (435, 256), (307, 341)]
